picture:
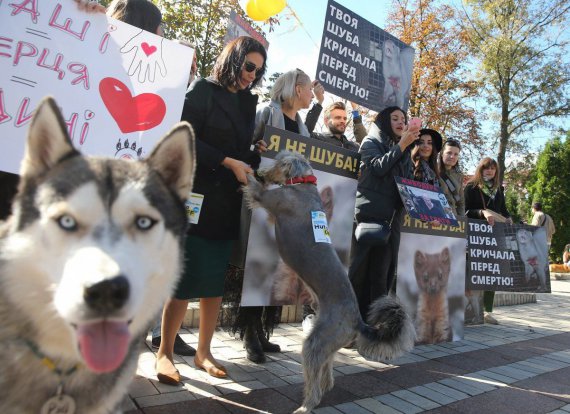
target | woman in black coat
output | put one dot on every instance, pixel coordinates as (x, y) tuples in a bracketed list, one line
[(483, 194), (221, 110), (384, 154)]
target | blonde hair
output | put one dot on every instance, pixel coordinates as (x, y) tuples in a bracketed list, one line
[(284, 89)]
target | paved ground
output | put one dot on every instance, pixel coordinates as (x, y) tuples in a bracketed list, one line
[(520, 366)]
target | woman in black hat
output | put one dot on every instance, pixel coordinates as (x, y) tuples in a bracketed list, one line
[(424, 157)]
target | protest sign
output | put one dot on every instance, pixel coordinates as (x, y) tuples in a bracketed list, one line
[(238, 26), (119, 88), (363, 63), (267, 280), (425, 201), (507, 257), (431, 278)]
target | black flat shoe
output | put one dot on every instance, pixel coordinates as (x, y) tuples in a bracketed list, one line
[(266, 345), (180, 347), (253, 347)]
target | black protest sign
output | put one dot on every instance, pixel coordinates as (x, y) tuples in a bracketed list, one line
[(425, 202), (507, 257), (322, 156), (363, 63)]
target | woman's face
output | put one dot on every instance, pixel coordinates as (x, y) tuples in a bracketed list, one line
[(252, 64), (426, 146), (397, 122), (305, 93), (450, 156), (489, 173)]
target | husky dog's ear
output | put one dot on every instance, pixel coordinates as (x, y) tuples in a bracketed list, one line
[(48, 140), (174, 159)]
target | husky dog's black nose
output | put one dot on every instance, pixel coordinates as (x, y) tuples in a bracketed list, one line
[(108, 295)]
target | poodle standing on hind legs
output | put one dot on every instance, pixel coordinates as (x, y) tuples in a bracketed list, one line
[(389, 331)]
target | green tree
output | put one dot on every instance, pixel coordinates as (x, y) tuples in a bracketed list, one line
[(440, 89), (521, 50), (550, 184), (202, 23)]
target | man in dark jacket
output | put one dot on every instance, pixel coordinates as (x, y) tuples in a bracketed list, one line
[(335, 119)]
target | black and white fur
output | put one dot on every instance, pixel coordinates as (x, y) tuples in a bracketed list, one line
[(92, 242), (389, 331)]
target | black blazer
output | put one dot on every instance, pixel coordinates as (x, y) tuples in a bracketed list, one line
[(223, 123), (474, 203)]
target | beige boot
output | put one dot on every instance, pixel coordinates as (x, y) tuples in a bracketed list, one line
[(490, 319)]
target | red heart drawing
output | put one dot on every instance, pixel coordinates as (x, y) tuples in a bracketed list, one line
[(131, 113), (148, 49)]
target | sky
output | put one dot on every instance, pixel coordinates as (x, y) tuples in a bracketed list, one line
[(295, 43)]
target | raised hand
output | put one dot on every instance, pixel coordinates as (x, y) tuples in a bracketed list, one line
[(90, 6), (147, 57)]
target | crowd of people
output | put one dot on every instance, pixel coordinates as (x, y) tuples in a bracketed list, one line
[(229, 126)]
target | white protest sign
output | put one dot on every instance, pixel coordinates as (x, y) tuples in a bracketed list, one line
[(119, 88)]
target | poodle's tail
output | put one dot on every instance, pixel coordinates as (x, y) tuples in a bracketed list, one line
[(389, 332)]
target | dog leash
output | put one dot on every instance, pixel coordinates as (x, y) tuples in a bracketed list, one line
[(60, 402)]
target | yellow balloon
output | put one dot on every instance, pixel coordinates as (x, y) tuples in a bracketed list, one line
[(271, 7), (253, 11)]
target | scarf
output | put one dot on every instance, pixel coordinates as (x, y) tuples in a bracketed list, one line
[(488, 190), (428, 174)]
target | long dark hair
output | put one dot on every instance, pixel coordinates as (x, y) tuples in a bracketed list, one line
[(228, 66), (432, 162), (383, 121), (139, 13)]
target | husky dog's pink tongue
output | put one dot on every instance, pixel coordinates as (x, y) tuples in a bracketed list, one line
[(104, 345)]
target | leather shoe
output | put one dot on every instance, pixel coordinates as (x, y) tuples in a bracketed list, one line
[(180, 347), (266, 345), (253, 347)]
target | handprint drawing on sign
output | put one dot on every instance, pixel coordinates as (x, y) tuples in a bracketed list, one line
[(147, 57)]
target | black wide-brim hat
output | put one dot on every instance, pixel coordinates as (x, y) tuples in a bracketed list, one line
[(436, 139)]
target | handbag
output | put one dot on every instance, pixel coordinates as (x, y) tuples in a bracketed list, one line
[(373, 234), (499, 218)]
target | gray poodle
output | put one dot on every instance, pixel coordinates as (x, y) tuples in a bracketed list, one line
[(388, 332)]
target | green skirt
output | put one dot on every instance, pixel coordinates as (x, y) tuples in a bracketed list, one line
[(205, 265)]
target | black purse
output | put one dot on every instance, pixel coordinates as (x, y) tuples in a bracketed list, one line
[(373, 234)]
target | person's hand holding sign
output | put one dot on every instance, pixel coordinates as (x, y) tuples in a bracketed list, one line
[(147, 57), (319, 91)]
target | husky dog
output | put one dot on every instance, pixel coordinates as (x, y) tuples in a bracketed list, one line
[(91, 253), (389, 331), (534, 254)]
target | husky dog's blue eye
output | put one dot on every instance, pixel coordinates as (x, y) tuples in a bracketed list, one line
[(66, 222), (144, 222)]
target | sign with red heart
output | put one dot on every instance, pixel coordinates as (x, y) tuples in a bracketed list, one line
[(131, 113), (148, 49)]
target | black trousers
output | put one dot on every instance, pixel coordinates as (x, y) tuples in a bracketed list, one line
[(372, 270)]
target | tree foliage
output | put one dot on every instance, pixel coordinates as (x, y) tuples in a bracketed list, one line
[(520, 47), (550, 184), (202, 23), (440, 91)]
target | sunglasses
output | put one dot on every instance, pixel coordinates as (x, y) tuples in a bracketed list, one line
[(250, 67)]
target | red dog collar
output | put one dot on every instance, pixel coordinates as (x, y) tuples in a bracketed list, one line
[(309, 179)]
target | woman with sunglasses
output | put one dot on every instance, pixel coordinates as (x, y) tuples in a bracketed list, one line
[(221, 110), (291, 92), (451, 178)]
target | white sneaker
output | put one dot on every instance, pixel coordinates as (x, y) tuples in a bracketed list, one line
[(308, 323), (490, 319)]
